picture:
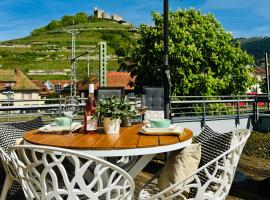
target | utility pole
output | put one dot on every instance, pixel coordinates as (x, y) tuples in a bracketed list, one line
[(73, 75), (267, 78), (102, 64), (166, 68), (88, 65)]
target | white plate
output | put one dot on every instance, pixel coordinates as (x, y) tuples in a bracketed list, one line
[(171, 129), (162, 131), (53, 128)]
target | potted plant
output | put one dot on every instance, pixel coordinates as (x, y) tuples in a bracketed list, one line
[(109, 111), (127, 112)]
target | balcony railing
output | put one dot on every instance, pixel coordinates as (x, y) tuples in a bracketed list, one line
[(184, 108)]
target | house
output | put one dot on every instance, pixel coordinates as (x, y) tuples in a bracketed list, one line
[(114, 79), (43, 90), (61, 87), (259, 74), (14, 85)]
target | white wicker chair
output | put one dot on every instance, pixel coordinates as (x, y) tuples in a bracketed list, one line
[(221, 183), (11, 173), (54, 173)]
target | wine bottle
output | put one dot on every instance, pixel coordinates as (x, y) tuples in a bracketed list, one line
[(90, 123)]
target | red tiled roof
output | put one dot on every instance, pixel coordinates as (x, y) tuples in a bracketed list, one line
[(119, 79), (114, 79), (63, 83), (260, 70), (39, 83), (43, 90)]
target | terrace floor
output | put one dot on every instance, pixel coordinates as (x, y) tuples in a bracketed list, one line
[(256, 184), (253, 184)]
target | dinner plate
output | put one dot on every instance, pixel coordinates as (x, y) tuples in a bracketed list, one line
[(162, 131), (53, 128)]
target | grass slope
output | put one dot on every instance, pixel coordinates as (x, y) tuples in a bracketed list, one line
[(52, 49)]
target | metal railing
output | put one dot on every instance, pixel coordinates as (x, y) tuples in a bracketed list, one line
[(184, 108), (203, 108)]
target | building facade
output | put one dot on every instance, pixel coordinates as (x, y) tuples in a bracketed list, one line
[(14, 85)]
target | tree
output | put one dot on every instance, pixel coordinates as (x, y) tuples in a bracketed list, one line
[(54, 24), (67, 20), (81, 17), (203, 57)]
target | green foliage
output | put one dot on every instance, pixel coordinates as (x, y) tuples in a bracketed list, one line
[(54, 24), (80, 17), (258, 145), (115, 108), (203, 57), (213, 109), (39, 31), (67, 20), (126, 108), (109, 107), (256, 46), (51, 49)]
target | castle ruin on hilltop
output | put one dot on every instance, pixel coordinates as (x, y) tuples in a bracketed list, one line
[(100, 14)]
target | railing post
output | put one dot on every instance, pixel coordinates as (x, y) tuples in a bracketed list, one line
[(204, 114), (255, 110), (238, 112)]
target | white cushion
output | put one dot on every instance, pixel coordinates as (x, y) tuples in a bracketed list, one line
[(153, 114), (180, 165)]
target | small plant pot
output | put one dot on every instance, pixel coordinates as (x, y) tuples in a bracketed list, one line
[(111, 126), (126, 122)]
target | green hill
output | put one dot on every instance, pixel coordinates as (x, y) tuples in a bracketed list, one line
[(256, 46), (50, 49)]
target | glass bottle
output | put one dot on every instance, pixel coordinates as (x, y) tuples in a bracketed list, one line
[(90, 123)]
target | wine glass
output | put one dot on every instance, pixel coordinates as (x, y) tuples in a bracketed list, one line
[(141, 109), (70, 109)]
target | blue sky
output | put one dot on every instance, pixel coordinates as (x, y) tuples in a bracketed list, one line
[(244, 18)]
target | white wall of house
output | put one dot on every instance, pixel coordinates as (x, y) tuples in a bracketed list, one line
[(19, 95)]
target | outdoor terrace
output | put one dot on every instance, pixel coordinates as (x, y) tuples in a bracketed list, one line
[(253, 172)]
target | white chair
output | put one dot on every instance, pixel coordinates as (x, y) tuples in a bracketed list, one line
[(54, 173), (11, 173), (221, 183)]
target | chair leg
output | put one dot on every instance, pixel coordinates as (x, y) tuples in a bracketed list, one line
[(6, 187)]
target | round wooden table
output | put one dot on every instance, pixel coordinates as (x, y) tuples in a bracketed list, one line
[(129, 142)]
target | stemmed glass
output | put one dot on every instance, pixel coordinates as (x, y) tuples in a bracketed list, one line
[(70, 109), (142, 108)]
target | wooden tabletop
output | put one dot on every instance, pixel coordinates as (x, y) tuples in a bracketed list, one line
[(128, 138)]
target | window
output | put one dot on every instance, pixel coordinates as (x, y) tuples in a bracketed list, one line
[(26, 95)]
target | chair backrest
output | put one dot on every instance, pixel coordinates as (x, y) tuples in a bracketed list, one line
[(55, 173), (153, 99), (110, 91), (221, 178), (8, 165)]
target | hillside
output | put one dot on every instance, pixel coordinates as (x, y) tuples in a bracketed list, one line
[(50, 50), (256, 46)]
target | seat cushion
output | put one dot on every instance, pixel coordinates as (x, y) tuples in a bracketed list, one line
[(28, 125), (180, 165), (153, 114), (206, 133), (8, 136)]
